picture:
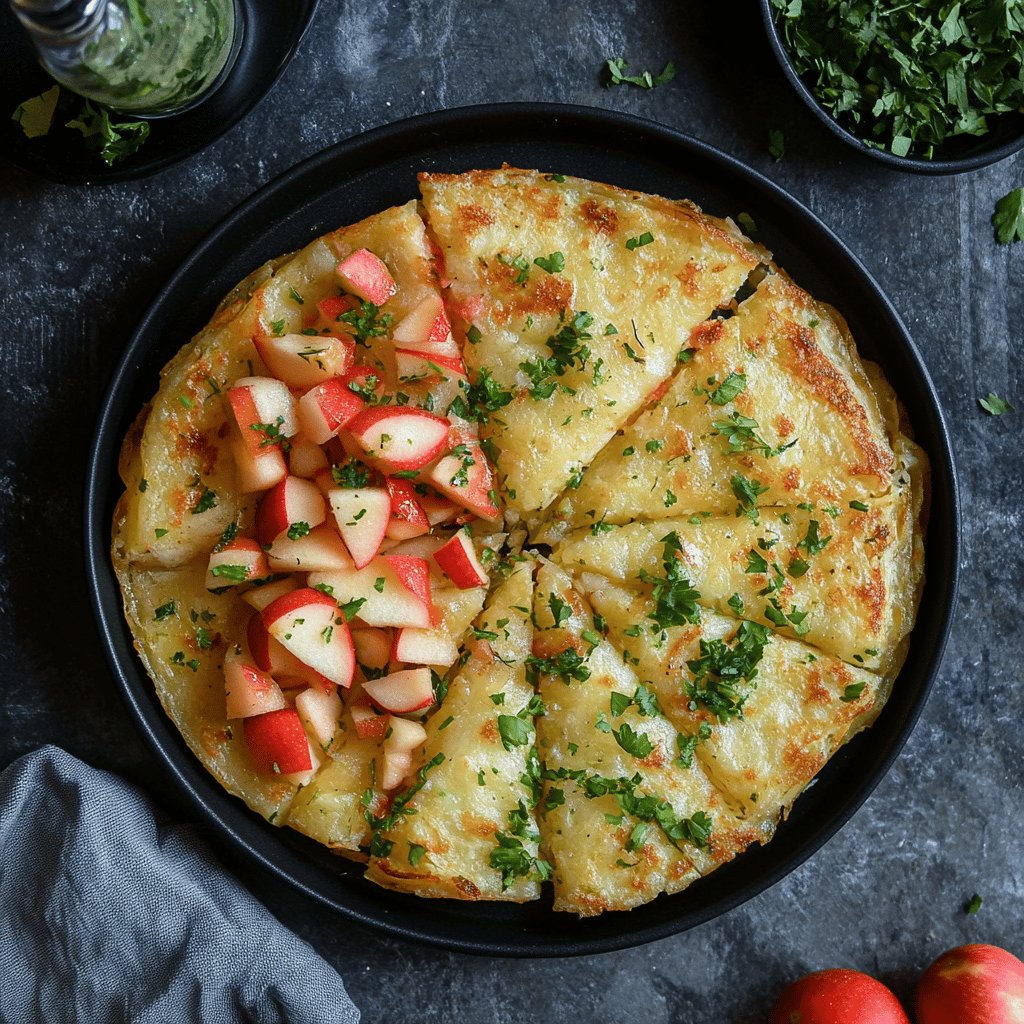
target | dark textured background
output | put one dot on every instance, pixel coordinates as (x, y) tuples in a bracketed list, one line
[(887, 894)]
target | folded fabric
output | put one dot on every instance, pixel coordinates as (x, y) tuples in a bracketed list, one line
[(107, 915)]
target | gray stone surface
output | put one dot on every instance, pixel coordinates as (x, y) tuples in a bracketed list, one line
[(886, 894)]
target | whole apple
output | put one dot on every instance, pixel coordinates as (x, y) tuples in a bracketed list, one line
[(975, 984), (838, 997)]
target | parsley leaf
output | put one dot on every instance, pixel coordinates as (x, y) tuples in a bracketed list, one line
[(675, 598), (645, 80), (994, 405), (776, 144), (115, 140), (553, 264), (723, 667), (1008, 219)]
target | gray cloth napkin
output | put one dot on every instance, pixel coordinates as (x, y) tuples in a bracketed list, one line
[(106, 915)]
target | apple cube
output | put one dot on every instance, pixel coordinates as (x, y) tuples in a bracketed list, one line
[(458, 560), (271, 657), (414, 366), (239, 561), (334, 307), (260, 597), (464, 475), (365, 275), (327, 407), (319, 550), (407, 516), (320, 713), (362, 517), (370, 725), (306, 459), (438, 510), (373, 646), (394, 591), (397, 766), (426, 329), (277, 742), (365, 381), (308, 623), (264, 412), (424, 647), (286, 507), (398, 438), (403, 692), (304, 360), (256, 472), (405, 736), (247, 690)]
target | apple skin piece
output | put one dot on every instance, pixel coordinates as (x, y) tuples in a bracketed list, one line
[(223, 569), (973, 984), (426, 330), (424, 647), (303, 360), (293, 500), (257, 402), (248, 691), (402, 692), (458, 560), (305, 458), (324, 409), (373, 646), (260, 597), (408, 519), (838, 997), (364, 274), (465, 476), (320, 713), (309, 624), (277, 742), (396, 439), (334, 307), (369, 724), (319, 550), (394, 591), (362, 517), (271, 657), (415, 366)]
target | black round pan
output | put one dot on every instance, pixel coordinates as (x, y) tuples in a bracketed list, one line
[(365, 174)]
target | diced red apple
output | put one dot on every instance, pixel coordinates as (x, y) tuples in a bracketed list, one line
[(413, 366), (291, 502), (364, 381), (320, 713), (438, 510), (240, 561), (424, 647), (335, 306), (407, 516), (364, 274), (458, 559), (327, 407), (319, 550), (303, 360), (405, 735), (271, 657), (426, 329), (395, 591), (256, 472), (248, 690), (264, 412), (465, 476), (373, 646), (260, 597), (362, 517), (403, 692), (369, 724), (277, 742), (306, 459), (397, 766), (309, 624), (398, 438)]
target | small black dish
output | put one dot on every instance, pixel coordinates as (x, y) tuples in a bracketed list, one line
[(365, 174), (959, 155), (270, 34)]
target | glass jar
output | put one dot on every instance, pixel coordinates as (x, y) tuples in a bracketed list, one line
[(148, 57)]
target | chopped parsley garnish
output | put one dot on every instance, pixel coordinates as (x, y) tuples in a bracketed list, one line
[(725, 392), (350, 609), (645, 701), (747, 492), (640, 240), (974, 905), (553, 264), (232, 573), (515, 730), (994, 405), (366, 322), (164, 611), (675, 599), (741, 433), (814, 544), (115, 140), (229, 534), (482, 397), (514, 861), (567, 352), (567, 665), (272, 434), (207, 500), (852, 692), (723, 667), (687, 745), (379, 846), (858, 506), (645, 80), (298, 530), (416, 853), (635, 743), (352, 474)]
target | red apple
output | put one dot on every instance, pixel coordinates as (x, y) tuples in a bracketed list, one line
[(365, 275), (396, 439), (458, 559), (407, 516), (415, 366), (306, 459), (256, 472), (397, 766), (369, 724), (389, 594), (464, 475), (303, 360), (424, 647), (264, 412), (335, 306), (260, 597), (362, 517), (277, 742), (239, 561), (373, 646), (308, 623), (838, 997), (404, 737), (271, 657), (439, 510), (327, 407), (317, 551), (292, 502), (320, 713), (403, 692), (426, 329), (974, 984), (247, 690), (365, 381)]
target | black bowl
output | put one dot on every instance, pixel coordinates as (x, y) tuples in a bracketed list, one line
[(959, 155), (365, 174)]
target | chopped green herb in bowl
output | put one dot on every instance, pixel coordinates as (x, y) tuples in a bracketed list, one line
[(933, 86)]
